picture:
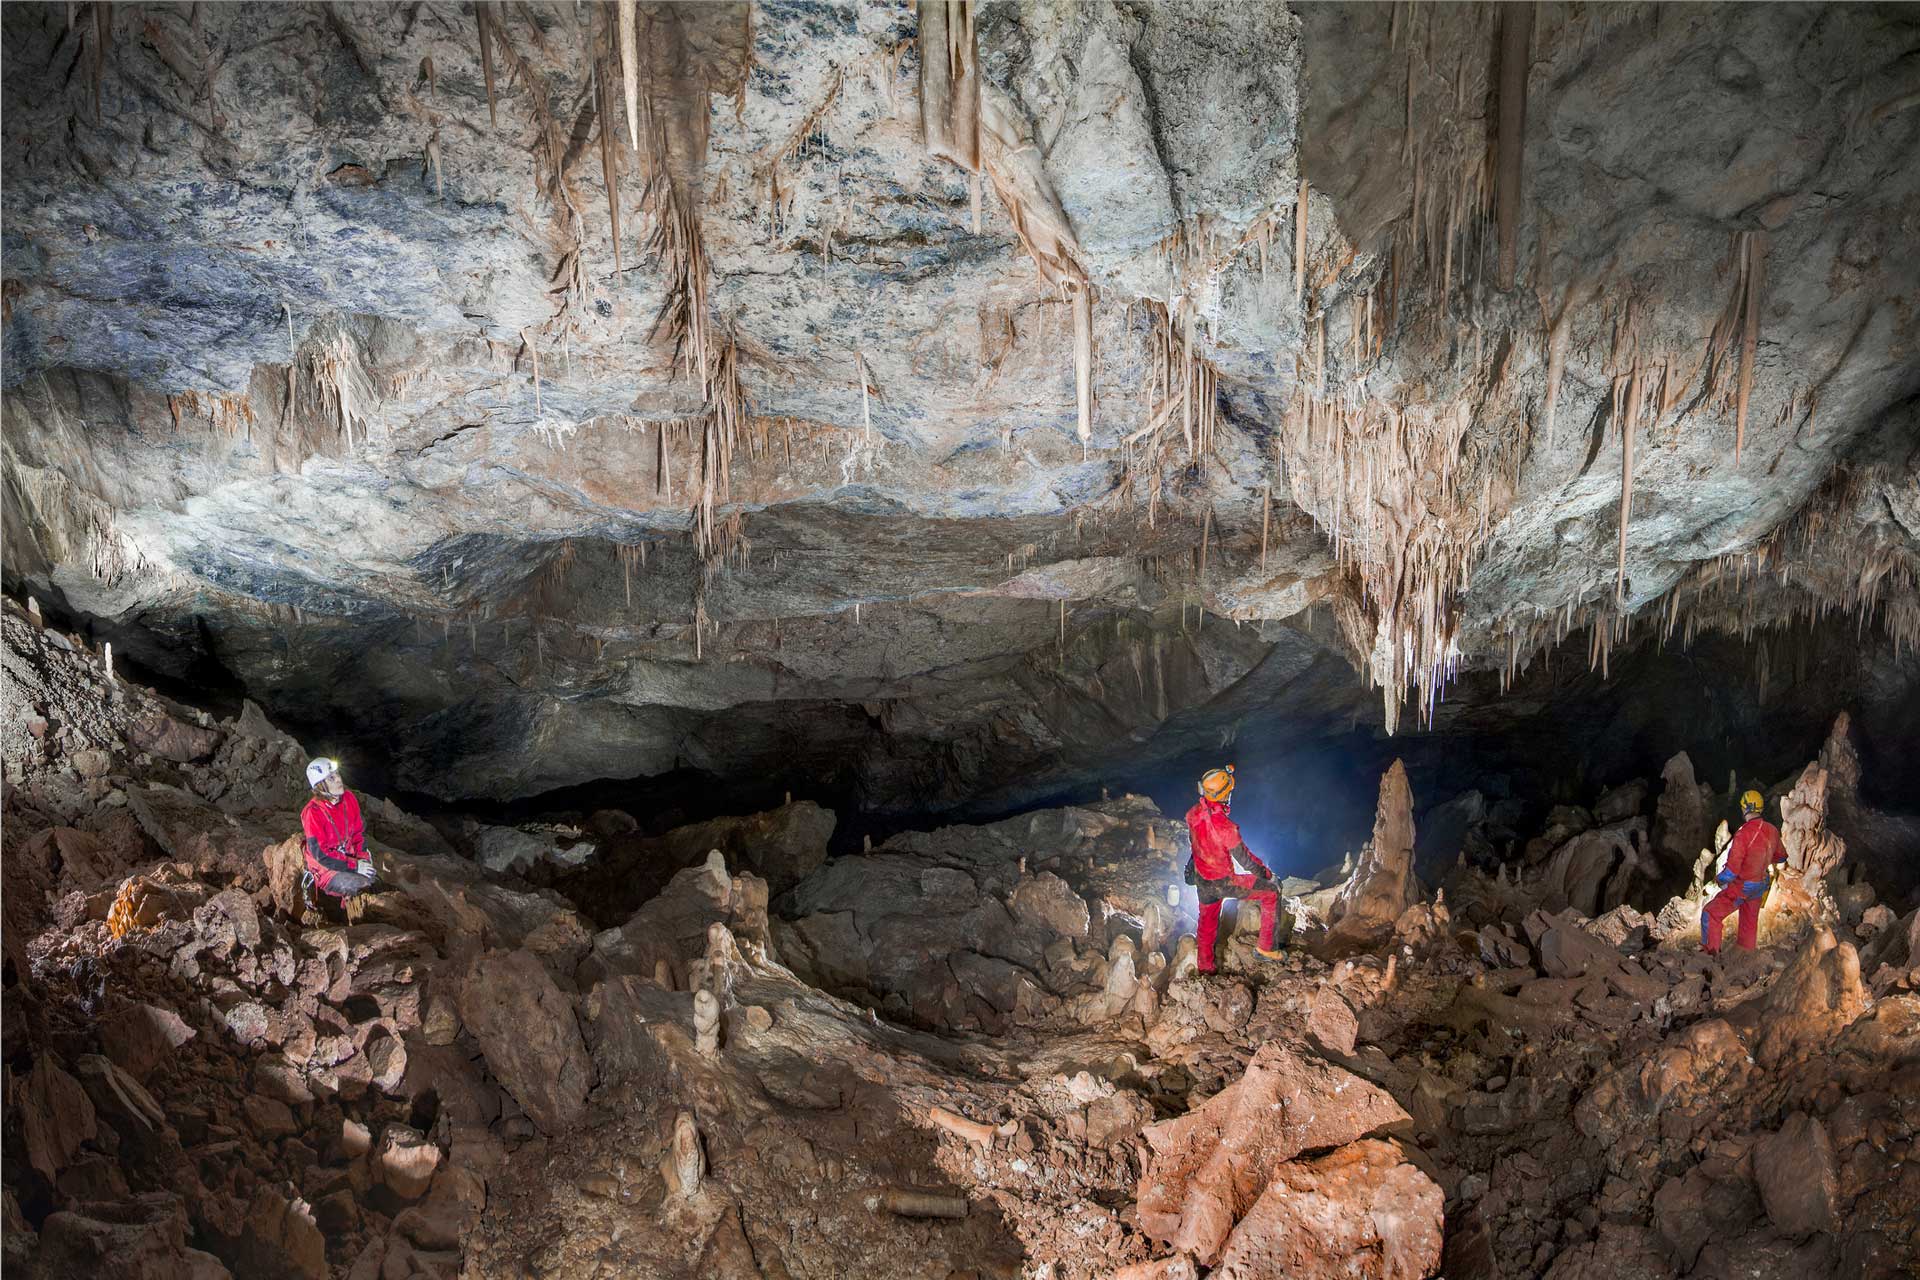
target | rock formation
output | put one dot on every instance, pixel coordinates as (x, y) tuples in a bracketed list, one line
[(1382, 886)]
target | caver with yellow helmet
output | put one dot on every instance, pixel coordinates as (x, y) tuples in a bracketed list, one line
[(336, 839), (1222, 867), (1756, 850)]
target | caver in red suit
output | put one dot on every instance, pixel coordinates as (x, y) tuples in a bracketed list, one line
[(1757, 848), (1215, 869)]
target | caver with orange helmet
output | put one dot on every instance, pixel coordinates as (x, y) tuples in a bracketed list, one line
[(1756, 850), (1223, 867)]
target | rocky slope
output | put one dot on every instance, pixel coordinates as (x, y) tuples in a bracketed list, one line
[(464, 1077), (371, 361)]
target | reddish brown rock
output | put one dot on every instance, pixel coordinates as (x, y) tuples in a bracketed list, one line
[(1382, 886), (1794, 1169), (140, 1037), (1817, 996), (405, 1161), (526, 1028), (168, 738), (1362, 1211), (1331, 1022), (1211, 1165), (56, 1116)]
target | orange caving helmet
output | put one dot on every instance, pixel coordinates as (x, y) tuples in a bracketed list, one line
[(1752, 802), (1217, 784)]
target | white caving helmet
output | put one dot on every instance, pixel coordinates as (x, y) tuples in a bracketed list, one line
[(320, 770)]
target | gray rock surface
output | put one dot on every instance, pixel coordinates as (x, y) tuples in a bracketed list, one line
[(311, 376)]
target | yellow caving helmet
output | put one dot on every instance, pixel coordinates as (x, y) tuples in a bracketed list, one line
[(1217, 784), (1752, 802)]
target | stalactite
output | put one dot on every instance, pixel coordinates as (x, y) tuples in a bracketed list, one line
[(630, 68), (484, 19), (1756, 274), (1266, 521), (609, 166), (1300, 244), (1516, 52), (1083, 362)]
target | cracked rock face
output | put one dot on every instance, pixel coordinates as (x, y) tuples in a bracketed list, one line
[(328, 378)]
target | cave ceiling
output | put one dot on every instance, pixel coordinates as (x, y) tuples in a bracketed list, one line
[(513, 412)]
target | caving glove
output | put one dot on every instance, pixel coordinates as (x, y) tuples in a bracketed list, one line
[(1725, 877), (364, 867), (1192, 876)]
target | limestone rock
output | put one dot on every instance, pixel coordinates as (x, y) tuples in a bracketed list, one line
[(142, 1238), (140, 1037), (1382, 885), (406, 1161), (1817, 994), (1623, 802), (1211, 1166), (1045, 901), (56, 1117), (1361, 1211), (1595, 870), (1794, 1169), (1683, 817), (526, 1028)]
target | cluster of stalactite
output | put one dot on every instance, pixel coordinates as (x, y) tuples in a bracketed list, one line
[(1407, 496)]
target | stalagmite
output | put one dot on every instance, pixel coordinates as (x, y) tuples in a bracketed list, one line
[(687, 1161), (106, 658), (706, 1022), (33, 614)]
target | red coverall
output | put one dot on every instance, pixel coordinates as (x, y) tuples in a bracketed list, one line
[(1215, 837), (336, 841), (1756, 847)]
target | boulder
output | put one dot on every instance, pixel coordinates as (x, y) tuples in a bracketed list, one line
[(1046, 902), (1818, 994), (1210, 1167), (405, 1161), (526, 1028), (1331, 1022), (1382, 886), (1594, 871), (56, 1116), (169, 739), (140, 1037), (1625, 801), (140, 1238), (1794, 1169), (1363, 1212)]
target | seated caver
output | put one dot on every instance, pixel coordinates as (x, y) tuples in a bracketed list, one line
[(1222, 867), (336, 844)]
